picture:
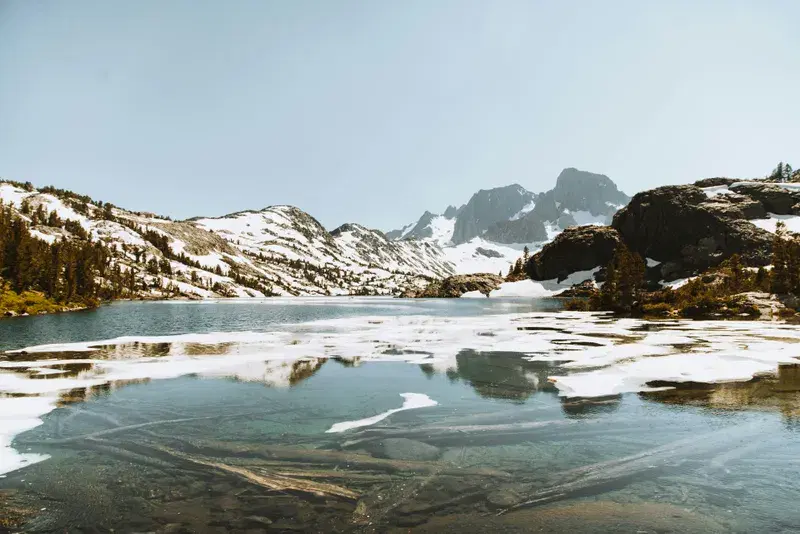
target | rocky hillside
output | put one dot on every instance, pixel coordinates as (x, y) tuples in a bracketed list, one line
[(682, 230), (280, 250), (488, 233)]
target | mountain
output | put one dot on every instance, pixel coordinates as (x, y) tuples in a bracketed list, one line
[(682, 230), (488, 233), (279, 250)]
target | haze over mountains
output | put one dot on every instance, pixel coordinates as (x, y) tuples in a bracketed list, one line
[(282, 250)]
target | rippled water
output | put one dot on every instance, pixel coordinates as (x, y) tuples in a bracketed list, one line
[(222, 422)]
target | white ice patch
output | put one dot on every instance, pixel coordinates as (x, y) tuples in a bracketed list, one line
[(600, 355), (19, 415), (411, 402)]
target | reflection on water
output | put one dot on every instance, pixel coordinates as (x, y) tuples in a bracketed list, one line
[(204, 455), (502, 375), (240, 445), (777, 392)]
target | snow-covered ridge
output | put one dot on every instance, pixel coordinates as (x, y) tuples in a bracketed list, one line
[(504, 220), (281, 250)]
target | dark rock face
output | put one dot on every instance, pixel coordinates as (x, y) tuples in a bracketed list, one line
[(487, 207), (489, 253), (423, 227), (773, 197), (585, 191), (578, 248), (712, 182), (527, 229), (451, 212), (455, 286), (546, 208), (735, 206), (681, 226), (584, 289)]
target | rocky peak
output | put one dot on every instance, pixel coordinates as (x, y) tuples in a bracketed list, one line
[(487, 207), (577, 190), (451, 212)]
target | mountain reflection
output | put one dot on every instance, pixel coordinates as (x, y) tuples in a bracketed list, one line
[(499, 375), (778, 392)]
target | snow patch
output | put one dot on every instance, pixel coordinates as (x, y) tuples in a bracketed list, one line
[(770, 224), (412, 401)]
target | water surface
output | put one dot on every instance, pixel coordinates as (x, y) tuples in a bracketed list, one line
[(221, 423)]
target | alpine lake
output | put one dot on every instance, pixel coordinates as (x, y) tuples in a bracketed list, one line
[(391, 415)]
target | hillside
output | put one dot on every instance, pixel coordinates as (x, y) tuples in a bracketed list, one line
[(279, 250)]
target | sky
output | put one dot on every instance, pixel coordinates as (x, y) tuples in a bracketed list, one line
[(374, 111)]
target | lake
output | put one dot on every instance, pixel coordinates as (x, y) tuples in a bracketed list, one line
[(390, 415)]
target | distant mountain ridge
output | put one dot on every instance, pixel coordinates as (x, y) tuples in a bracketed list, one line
[(512, 214), (279, 250), (488, 232), (282, 250)]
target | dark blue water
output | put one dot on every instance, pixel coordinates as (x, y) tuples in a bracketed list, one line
[(182, 317)]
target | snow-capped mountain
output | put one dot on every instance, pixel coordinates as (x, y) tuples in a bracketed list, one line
[(280, 250), (488, 233)]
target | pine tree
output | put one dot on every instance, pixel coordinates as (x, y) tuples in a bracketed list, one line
[(780, 260), (623, 282)]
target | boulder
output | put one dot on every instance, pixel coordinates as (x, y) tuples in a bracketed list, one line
[(585, 289), (488, 252), (455, 286), (735, 206), (408, 449), (773, 197), (578, 248), (714, 182), (682, 227)]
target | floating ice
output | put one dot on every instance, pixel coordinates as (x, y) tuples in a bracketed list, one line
[(603, 355), (412, 401)]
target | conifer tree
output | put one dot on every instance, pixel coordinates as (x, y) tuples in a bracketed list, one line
[(780, 260)]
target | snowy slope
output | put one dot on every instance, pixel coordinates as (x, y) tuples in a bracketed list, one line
[(280, 250)]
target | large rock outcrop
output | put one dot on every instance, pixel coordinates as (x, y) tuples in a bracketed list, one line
[(688, 231), (455, 286), (775, 198), (579, 248)]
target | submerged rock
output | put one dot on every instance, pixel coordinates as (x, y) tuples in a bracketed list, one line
[(408, 449), (455, 286), (582, 516)]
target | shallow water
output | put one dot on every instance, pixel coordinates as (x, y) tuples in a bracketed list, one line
[(197, 431)]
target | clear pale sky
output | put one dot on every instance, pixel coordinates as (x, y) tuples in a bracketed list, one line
[(374, 111)]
